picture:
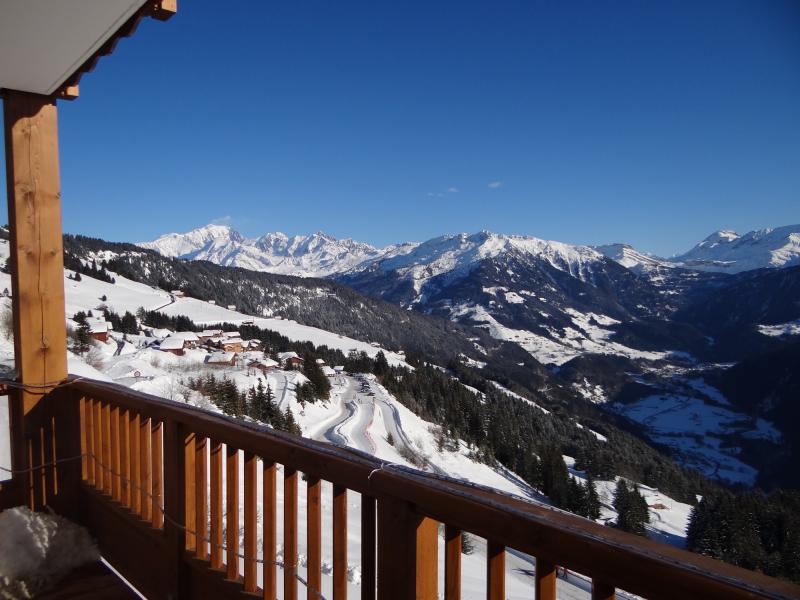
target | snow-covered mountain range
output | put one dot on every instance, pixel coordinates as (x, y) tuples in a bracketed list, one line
[(315, 255), (321, 255)]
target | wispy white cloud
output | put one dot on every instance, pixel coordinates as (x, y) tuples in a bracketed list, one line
[(226, 220), (452, 190), (495, 184)]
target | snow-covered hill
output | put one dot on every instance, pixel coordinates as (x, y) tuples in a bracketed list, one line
[(315, 255)]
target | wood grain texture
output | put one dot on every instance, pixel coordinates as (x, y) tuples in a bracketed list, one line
[(156, 466), (37, 271)]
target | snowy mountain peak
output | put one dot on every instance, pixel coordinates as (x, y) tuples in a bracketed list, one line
[(315, 255), (729, 252)]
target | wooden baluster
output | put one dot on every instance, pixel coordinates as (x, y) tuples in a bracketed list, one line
[(232, 512), (406, 538), (86, 427), (124, 458), (250, 522), (216, 505), (189, 506), (88, 420), (545, 580), (495, 571), (452, 563), (115, 482), (136, 473), (157, 454), (368, 565), (314, 536), (339, 543), (270, 528), (145, 473), (105, 416), (289, 533), (602, 590), (175, 442), (200, 496), (97, 445)]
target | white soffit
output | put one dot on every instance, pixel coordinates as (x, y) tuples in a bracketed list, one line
[(43, 42)]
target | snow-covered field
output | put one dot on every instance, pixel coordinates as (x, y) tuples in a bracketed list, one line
[(588, 336), (694, 429), (360, 413)]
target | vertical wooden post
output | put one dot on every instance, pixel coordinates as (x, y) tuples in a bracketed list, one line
[(495, 571), (289, 533), (545, 580), (270, 530), (216, 505), (406, 538), (452, 563), (175, 441), (339, 542), (37, 269), (250, 522), (201, 496), (314, 536), (232, 512), (157, 448), (368, 535)]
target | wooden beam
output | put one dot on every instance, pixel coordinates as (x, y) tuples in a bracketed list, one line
[(162, 10), (37, 266)]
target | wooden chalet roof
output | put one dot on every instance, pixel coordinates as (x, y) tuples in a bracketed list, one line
[(47, 45)]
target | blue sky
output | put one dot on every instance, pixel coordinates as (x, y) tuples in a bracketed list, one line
[(586, 122)]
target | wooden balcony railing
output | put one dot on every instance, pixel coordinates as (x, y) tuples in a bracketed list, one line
[(153, 474)]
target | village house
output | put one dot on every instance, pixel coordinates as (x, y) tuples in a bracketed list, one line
[(328, 372), (173, 345), (264, 365), (320, 362), (222, 359), (231, 307), (339, 369), (98, 329), (190, 337), (290, 358), (208, 335), (177, 293), (233, 344), (254, 345)]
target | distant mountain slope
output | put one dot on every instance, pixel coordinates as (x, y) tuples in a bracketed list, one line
[(730, 252)]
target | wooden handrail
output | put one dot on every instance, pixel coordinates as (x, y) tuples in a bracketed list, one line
[(610, 557)]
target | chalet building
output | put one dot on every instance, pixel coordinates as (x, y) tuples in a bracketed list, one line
[(173, 345), (320, 362), (328, 372), (209, 335), (178, 293), (265, 365), (190, 337), (212, 301), (231, 307), (339, 369), (231, 345), (222, 359), (290, 358), (99, 329), (254, 345), (136, 471)]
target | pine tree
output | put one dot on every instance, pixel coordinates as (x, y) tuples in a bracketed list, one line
[(592, 510), (381, 365), (83, 338)]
